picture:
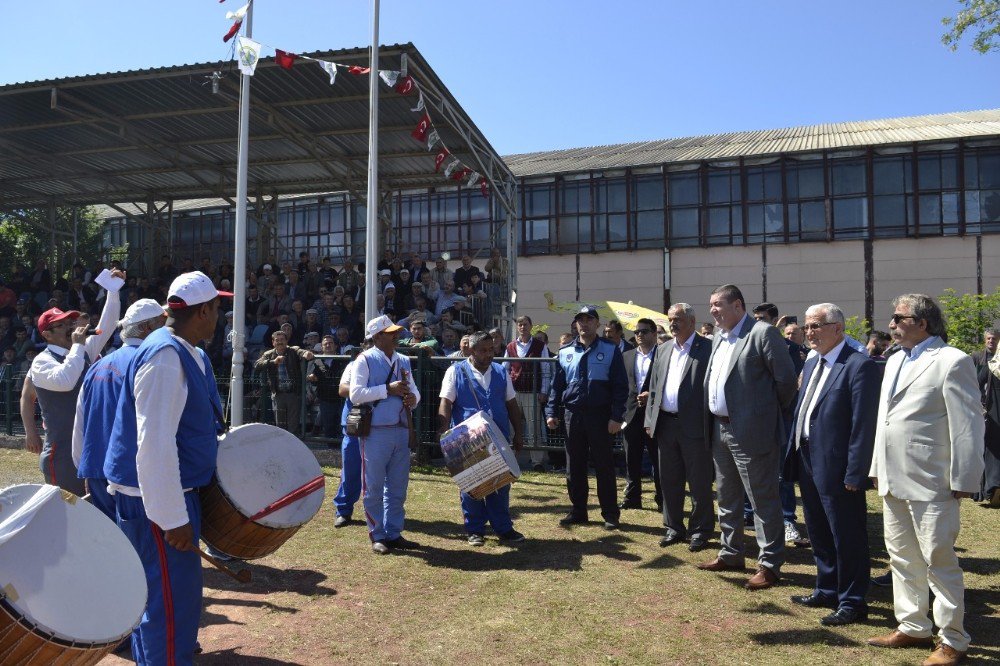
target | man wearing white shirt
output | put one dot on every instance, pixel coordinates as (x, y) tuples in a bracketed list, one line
[(531, 382), (676, 419), (97, 405), (163, 448), (382, 379), (55, 377), (638, 362), (478, 384)]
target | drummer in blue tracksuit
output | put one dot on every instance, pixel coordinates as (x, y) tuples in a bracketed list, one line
[(591, 386), (350, 455), (97, 403), (163, 449), (383, 379), (478, 384)]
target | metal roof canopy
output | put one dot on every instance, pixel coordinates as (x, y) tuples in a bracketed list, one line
[(162, 134)]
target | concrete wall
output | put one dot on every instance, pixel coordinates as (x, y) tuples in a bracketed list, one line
[(801, 275), (695, 272)]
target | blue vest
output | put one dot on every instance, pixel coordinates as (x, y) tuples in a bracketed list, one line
[(390, 411), (493, 401), (101, 387), (197, 432)]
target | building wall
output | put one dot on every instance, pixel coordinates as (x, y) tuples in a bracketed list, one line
[(801, 275), (695, 272)]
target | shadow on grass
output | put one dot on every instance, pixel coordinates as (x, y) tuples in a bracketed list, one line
[(767, 608), (266, 580), (802, 636), (980, 565), (232, 656), (662, 561)]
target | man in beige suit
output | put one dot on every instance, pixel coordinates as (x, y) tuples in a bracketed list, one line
[(928, 456)]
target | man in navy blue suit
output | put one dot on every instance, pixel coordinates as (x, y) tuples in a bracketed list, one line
[(830, 452)]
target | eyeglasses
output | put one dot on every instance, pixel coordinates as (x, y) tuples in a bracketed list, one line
[(816, 327), (896, 318), (643, 331)]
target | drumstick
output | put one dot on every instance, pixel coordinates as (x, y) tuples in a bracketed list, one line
[(243, 575)]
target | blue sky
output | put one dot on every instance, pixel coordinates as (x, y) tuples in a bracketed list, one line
[(547, 74)]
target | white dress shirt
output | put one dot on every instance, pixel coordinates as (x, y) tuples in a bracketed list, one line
[(347, 374), (448, 382), (522, 351), (77, 446), (160, 395), (716, 382), (675, 369), (362, 393), (642, 362), (828, 360), (49, 374)]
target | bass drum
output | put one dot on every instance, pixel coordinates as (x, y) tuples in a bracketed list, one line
[(71, 585), (267, 485)]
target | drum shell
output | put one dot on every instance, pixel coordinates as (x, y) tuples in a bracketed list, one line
[(225, 529), (21, 644)]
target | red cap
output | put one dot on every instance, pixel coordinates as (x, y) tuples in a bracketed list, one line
[(53, 316)]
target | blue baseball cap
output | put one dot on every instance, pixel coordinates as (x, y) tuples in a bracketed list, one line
[(587, 311)]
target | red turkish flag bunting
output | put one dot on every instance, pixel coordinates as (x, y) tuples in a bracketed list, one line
[(460, 174), (423, 127), (484, 187), (235, 28), (284, 59), (404, 86), (358, 71), (440, 158)]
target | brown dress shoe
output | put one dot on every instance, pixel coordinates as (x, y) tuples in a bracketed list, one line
[(897, 639), (763, 579), (944, 655), (718, 565)]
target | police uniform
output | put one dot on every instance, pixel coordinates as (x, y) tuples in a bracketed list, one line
[(471, 391), (591, 386)]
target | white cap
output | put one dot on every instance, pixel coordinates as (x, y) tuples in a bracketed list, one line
[(142, 310), (266, 267), (385, 271), (193, 288), (381, 324)]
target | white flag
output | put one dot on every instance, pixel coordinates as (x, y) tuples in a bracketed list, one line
[(389, 77), (239, 14), (473, 180), (330, 68), (420, 103), (451, 167), (433, 139), (247, 54)]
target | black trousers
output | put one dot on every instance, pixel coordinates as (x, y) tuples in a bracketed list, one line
[(636, 443), (685, 461), (587, 439), (991, 477)]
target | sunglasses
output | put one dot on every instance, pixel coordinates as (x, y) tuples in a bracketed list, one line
[(896, 318), (643, 331)]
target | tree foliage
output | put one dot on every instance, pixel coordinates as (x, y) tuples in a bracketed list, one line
[(967, 316), (981, 17), (24, 238), (857, 328)]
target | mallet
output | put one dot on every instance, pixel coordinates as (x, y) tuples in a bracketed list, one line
[(243, 575)]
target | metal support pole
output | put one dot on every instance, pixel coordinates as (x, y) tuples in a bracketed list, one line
[(372, 204), (240, 232)]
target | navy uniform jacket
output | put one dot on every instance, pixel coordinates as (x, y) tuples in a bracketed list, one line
[(589, 378)]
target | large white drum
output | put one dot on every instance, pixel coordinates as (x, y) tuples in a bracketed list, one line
[(267, 485), (71, 585)]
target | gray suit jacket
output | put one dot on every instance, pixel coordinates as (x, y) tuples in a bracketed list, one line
[(759, 382), (691, 393), (930, 431)]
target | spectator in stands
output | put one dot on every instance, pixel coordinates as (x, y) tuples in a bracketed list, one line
[(6, 333), (420, 339), (417, 267), (25, 365), (464, 348), (478, 298), (327, 270), (277, 304), (325, 375), (8, 366), (449, 341), (441, 273), (303, 266), (253, 303), (531, 381), (389, 302), (464, 273), (349, 278), (166, 272), (22, 343), (616, 334), (20, 279), (267, 279), (295, 288), (40, 282), (350, 316), (497, 268), (312, 323), (447, 297), (284, 377), (80, 295), (187, 266), (344, 343), (404, 283), (385, 263), (297, 315), (463, 315), (432, 290)]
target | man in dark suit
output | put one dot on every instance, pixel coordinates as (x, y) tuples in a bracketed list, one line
[(829, 452), (989, 385), (638, 363), (614, 332), (675, 417), (750, 380)]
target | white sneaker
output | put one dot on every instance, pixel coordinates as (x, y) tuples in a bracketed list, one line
[(791, 534)]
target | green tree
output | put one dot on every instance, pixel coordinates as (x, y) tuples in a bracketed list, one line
[(967, 316), (982, 17), (25, 238), (858, 328)]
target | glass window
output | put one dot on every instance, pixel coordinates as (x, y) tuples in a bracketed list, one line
[(892, 186), (807, 220), (850, 217), (685, 189), (804, 180), (847, 177), (683, 227)]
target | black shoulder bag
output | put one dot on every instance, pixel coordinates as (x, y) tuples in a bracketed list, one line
[(359, 417)]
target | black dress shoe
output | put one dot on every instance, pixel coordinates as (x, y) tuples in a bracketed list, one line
[(630, 504), (611, 525), (842, 616), (670, 539), (573, 519), (697, 544), (814, 601), (401, 543)]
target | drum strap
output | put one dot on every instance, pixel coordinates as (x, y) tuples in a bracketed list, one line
[(294, 496), (473, 383)]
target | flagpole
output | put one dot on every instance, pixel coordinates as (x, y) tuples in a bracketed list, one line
[(372, 235), (240, 233)]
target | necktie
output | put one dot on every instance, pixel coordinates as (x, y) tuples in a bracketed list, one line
[(807, 402)]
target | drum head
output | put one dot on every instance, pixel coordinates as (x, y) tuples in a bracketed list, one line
[(259, 464), (70, 571)]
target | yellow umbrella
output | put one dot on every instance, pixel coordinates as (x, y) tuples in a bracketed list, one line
[(572, 307), (629, 314)]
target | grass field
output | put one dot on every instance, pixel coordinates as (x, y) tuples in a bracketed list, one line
[(565, 596)]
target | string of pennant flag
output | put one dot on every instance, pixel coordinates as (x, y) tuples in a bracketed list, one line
[(248, 54)]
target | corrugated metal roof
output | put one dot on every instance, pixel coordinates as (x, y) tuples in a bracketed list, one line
[(160, 134), (828, 136)]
